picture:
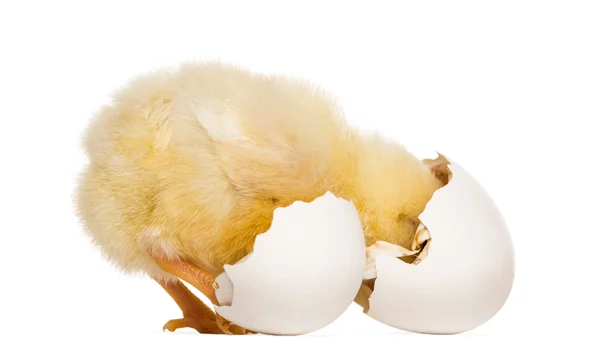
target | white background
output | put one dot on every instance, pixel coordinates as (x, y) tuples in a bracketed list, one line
[(509, 89)]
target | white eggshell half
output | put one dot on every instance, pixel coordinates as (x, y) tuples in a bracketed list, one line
[(467, 274), (303, 273)]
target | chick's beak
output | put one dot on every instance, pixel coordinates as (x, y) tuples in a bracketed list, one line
[(419, 247), (422, 242)]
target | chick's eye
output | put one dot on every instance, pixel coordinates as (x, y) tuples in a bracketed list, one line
[(405, 219)]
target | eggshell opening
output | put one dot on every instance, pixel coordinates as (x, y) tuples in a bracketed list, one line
[(464, 275), (302, 274)]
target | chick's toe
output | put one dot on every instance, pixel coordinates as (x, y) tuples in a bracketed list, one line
[(231, 329), (196, 314)]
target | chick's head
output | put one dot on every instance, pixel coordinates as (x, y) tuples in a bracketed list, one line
[(393, 189)]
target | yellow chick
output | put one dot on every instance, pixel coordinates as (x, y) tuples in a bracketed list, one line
[(187, 165)]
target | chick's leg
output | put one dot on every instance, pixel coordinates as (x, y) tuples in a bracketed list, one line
[(204, 282), (196, 314)]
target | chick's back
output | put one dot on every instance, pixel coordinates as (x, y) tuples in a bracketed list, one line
[(191, 163)]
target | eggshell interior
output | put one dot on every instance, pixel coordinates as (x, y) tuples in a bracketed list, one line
[(303, 273), (467, 274)]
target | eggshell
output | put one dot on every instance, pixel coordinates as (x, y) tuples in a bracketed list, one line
[(303, 273), (465, 277)]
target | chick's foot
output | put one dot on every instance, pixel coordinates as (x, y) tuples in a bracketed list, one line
[(229, 328), (196, 314), (194, 310), (201, 325)]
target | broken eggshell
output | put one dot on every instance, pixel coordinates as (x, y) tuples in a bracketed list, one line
[(302, 274), (464, 267)]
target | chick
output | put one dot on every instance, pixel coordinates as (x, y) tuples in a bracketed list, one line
[(187, 165)]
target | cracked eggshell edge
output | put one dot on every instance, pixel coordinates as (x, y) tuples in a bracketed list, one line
[(428, 290), (241, 306)]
